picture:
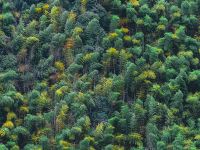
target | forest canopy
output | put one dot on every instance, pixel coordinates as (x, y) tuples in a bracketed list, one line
[(99, 74)]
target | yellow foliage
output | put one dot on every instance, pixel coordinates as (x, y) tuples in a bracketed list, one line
[(44, 131), (78, 30), (135, 41), (151, 74), (99, 129), (197, 137), (112, 52), (68, 51), (35, 138), (104, 87), (62, 90), (127, 38), (125, 30), (14, 137), (63, 111), (46, 13), (8, 124), (59, 92), (112, 35), (65, 144), (173, 87), (11, 115), (62, 116), (72, 16), (136, 136), (134, 2), (184, 129), (32, 24), (24, 109), (176, 14), (83, 5), (123, 21), (54, 14), (84, 2), (167, 54), (156, 87), (45, 7), (174, 36), (1, 17), (87, 57), (19, 96), (147, 74), (15, 147), (7, 109), (60, 124), (195, 61), (120, 137), (87, 122), (60, 66), (140, 22), (160, 7), (44, 84), (89, 138), (161, 27), (55, 11), (69, 43), (125, 55), (18, 122), (61, 76), (17, 14), (1, 32), (32, 40), (2, 133), (141, 92), (38, 10), (188, 143), (116, 147), (80, 96), (91, 148), (187, 54), (157, 118), (44, 99)]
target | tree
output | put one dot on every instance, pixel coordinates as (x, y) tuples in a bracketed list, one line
[(177, 101), (3, 147), (185, 7), (151, 135), (114, 24), (99, 74), (152, 53), (161, 145), (32, 146), (194, 78), (178, 142), (8, 19), (152, 106), (44, 141), (7, 76), (33, 123), (22, 134), (94, 32)]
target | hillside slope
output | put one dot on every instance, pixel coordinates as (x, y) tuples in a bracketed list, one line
[(99, 74)]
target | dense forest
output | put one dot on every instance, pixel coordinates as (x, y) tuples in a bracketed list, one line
[(99, 74)]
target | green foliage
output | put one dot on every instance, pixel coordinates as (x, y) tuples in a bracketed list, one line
[(7, 76), (99, 74), (114, 24)]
